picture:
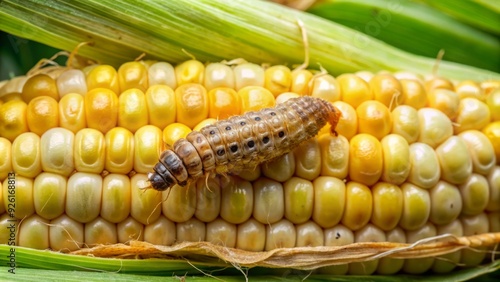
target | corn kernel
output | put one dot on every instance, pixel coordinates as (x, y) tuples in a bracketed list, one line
[(358, 206), (472, 114), (473, 225), (100, 232), (101, 109), (471, 89), (65, 234), (180, 203), (405, 122), (26, 155), (49, 194), (174, 132), (416, 207), (161, 232), (129, 230), (299, 196), (281, 168), (145, 205), (83, 196), (494, 183), (369, 233), (326, 87), (425, 170), (119, 150), (72, 112), (190, 71), (278, 79), (413, 92), (493, 102), (103, 76), (308, 159), (348, 123), (203, 123), (208, 199), (192, 104), (254, 98), (446, 263), (42, 114), (162, 73), (338, 235), (475, 194), (221, 233), (387, 205), (89, 151), (192, 230), (161, 105), (116, 197), (419, 266), (492, 131), (39, 85), (354, 89), (56, 148), (219, 75), (387, 266), (133, 75), (329, 201), (445, 101), (438, 83), (374, 118), (132, 110), (387, 90), (34, 233), (435, 127), (148, 144), (396, 154), (480, 150), (13, 120), (236, 200), (5, 158), (455, 160), (365, 159), (300, 81), (71, 81), (334, 155), (223, 103), (309, 234), (268, 201), (248, 74), (281, 234), (446, 203), (24, 202), (251, 236)]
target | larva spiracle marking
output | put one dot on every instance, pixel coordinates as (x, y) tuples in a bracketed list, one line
[(242, 142)]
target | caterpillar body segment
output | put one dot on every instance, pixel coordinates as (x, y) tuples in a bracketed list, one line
[(242, 142)]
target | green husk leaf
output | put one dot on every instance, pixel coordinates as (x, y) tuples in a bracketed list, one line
[(484, 15), (211, 30), (418, 28)]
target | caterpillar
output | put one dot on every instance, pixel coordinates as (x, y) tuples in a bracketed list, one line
[(242, 142)]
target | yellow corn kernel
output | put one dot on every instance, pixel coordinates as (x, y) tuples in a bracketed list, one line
[(326, 87), (268, 201), (148, 145), (192, 104), (190, 71), (89, 151), (83, 196), (413, 92), (11, 96), (254, 98), (5, 158), (103, 76), (203, 123), (281, 168), (472, 114), (208, 199), (283, 97), (71, 81), (358, 206), (119, 150), (2, 206), (129, 230), (34, 233), (39, 85), (174, 132), (162, 73), (309, 234), (251, 236), (425, 170), (308, 159), (354, 89), (348, 123), (493, 102), (192, 230), (101, 109), (480, 150), (388, 266), (49, 194), (223, 103), (473, 225), (100, 232), (365, 159), (281, 234), (116, 197), (386, 89), (396, 154), (446, 263), (338, 235), (26, 160), (132, 109), (374, 118), (7, 228), (221, 233), (145, 204), (72, 112), (365, 75), (419, 266), (180, 203), (435, 127), (161, 232), (494, 183), (14, 85), (489, 85), (278, 79), (65, 234), (13, 120), (56, 151), (248, 74), (446, 203), (416, 207), (438, 83), (454, 160), (22, 197), (301, 81), (132, 75), (470, 88), (405, 122), (387, 205), (299, 196), (445, 101), (492, 131), (218, 75), (334, 155), (368, 233), (250, 174), (329, 201), (475, 194), (236, 200), (42, 114), (161, 106)]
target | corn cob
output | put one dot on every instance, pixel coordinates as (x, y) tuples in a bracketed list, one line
[(78, 172)]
